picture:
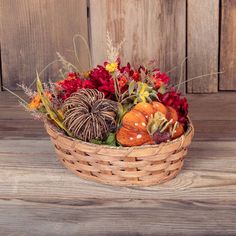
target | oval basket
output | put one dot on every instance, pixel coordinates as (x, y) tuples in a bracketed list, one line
[(121, 166)]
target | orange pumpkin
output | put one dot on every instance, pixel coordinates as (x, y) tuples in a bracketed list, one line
[(134, 124), (178, 131), (160, 107)]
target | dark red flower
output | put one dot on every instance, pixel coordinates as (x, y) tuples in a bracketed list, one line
[(127, 69), (88, 84), (159, 79), (102, 81), (68, 86), (136, 76), (180, 104)]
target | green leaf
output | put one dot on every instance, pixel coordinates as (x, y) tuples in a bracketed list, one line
[(139, 87), (131, 87), (111, 139), (154, 95), (47, 104), (120, 109), (95, 141), (162, 89)]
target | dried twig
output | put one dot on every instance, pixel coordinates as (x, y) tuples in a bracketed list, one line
[(87, 47), (199, 77)]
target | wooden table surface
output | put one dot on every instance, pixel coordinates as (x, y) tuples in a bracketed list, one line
[(38, 196)]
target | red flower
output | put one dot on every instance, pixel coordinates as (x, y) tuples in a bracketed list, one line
[(173, 99), (159, 79), (127, 69), (107, 89), (68, 86), (102, 81), (136, 76), (88, 84), (122, 82)]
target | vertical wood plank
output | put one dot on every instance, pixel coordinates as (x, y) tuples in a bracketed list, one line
[(153, 29), (32, 31), (228, 46), (0, 67), (202, 44)]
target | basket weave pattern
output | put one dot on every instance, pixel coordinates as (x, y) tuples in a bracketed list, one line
[(122, 166)]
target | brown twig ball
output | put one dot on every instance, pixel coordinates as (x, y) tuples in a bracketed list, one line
[(88, 115)]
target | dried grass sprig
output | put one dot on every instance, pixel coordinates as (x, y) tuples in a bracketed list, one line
[(198, 77), (45, 68), (172, 69), (67, 66), (113, 51), (35, 113), (20, 98), (28, 91), (181, 72), (87, 48), (54, 114)]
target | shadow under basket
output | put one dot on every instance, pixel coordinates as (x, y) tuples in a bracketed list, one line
[(121, 166)]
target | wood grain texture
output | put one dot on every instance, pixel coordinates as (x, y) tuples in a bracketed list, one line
[(153, 29), (52, 201), (228, 46), (202, 45), (205, 175), (208, 113), (38, 196), (117, 217), (32, 31)]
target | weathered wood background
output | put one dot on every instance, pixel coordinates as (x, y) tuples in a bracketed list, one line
[(32, 31)]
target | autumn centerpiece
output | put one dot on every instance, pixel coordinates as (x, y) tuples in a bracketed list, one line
[(114, 123)]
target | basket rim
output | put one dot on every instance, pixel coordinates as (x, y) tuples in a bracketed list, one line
[(48, 124)]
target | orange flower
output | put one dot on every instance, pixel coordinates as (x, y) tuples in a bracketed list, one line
[(157, 83), (122, 82), (35, 103), (49, 95)]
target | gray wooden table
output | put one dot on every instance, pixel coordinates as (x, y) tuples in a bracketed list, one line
[(39, 197)]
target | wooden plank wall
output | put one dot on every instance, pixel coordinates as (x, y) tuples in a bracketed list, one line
[(151, 29), (32, 31), (203, 45), (228, 46)]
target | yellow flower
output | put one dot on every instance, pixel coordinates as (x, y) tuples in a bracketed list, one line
[(143, 93), (144, 96), (86, 74), (111, 67), (35, 103)]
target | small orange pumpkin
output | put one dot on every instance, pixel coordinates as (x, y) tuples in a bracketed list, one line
[(171, 114), (178, 131), (134, 124)]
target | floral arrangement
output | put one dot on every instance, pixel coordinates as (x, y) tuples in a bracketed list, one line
[(112, 104)]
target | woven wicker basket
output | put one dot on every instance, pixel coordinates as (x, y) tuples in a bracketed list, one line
[(121, 166)]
